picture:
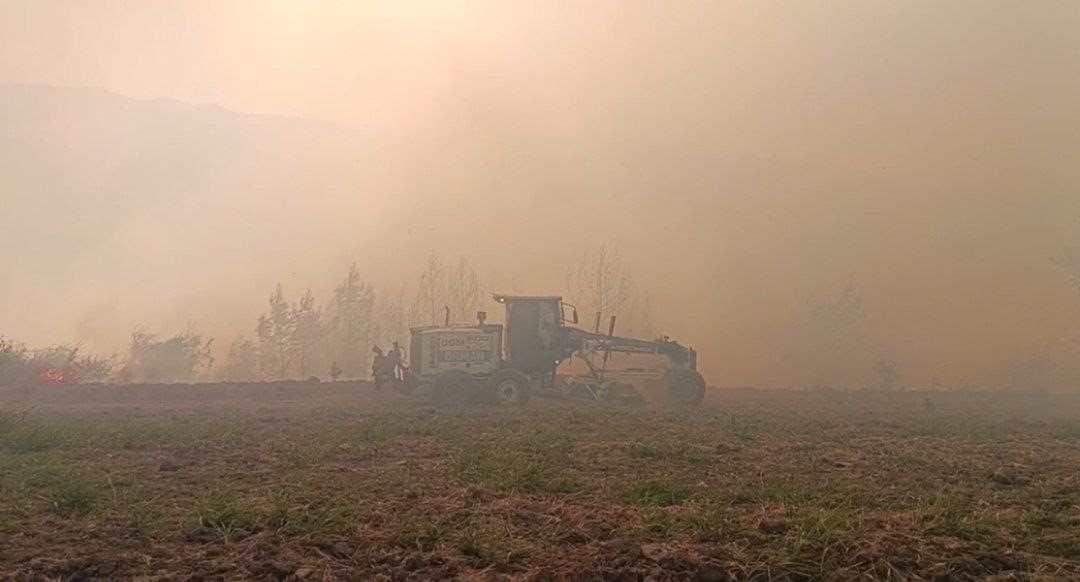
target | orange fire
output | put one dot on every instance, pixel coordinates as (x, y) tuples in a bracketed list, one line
[(53, 376)]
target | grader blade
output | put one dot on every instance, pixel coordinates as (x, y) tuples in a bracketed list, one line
[(622, 393)]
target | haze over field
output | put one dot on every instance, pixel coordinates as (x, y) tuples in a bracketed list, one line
[(170, 162)]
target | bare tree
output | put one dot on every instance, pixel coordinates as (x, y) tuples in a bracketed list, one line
[(639, 316), (430, 297), (462, 290), (351, 319), (307, 330), (601, 283), (838, 348), (889, 376), (393, 321), (275, 332), (242, 362)]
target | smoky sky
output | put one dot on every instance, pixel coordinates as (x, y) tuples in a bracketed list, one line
[(166, 163)]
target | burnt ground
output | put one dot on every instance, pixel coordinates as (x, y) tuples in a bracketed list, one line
[(329, 481)]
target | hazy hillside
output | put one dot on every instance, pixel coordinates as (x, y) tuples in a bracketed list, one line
[(117, 208)]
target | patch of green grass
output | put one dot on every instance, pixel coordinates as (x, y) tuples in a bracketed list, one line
[(21, 434), (701, 520), (511, 471), (285, 502), (943, 427), (1065, 545), (377, 429), (135, 436), (384, 428), (951, 515), (65, 490), (33, 438), (782, 493), (223, 510), (708, 523), (10, 419), (527, 465), (1046, 519), (303, 454), (441, 428), (422, 533), (488, 542), (818, 427), (293, 512), (910, 459), (10, 524), (642, 450), (668, 452), (1067, 432), (658, 522), (820, 527), (968, 530), (147, 516), (744, 427), (657, 493)]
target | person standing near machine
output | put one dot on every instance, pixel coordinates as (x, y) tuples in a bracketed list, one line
[(378, 364), (393, 363)]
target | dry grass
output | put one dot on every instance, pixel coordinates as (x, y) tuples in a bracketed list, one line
[(331, 481)]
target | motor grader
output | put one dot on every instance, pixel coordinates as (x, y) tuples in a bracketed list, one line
[(507, 363)]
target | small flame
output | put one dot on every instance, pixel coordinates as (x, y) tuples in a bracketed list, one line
[(53, 376)]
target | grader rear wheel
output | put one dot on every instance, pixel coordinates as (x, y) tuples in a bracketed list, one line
[(455, 388)]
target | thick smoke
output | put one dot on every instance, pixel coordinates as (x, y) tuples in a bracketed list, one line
[(851, 195)]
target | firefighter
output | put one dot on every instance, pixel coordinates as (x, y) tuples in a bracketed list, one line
[(335, 371), (393, 362), (378, 365)]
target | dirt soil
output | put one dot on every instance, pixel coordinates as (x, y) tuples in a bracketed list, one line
[(334, 481)]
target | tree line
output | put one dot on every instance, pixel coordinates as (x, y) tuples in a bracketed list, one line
[(150, 358), (291, 339), (303, 337)]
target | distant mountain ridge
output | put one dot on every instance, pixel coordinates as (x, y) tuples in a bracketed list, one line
[(99, 191)]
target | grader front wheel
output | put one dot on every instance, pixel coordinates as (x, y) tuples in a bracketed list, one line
[(685, 387), (510, 388)]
